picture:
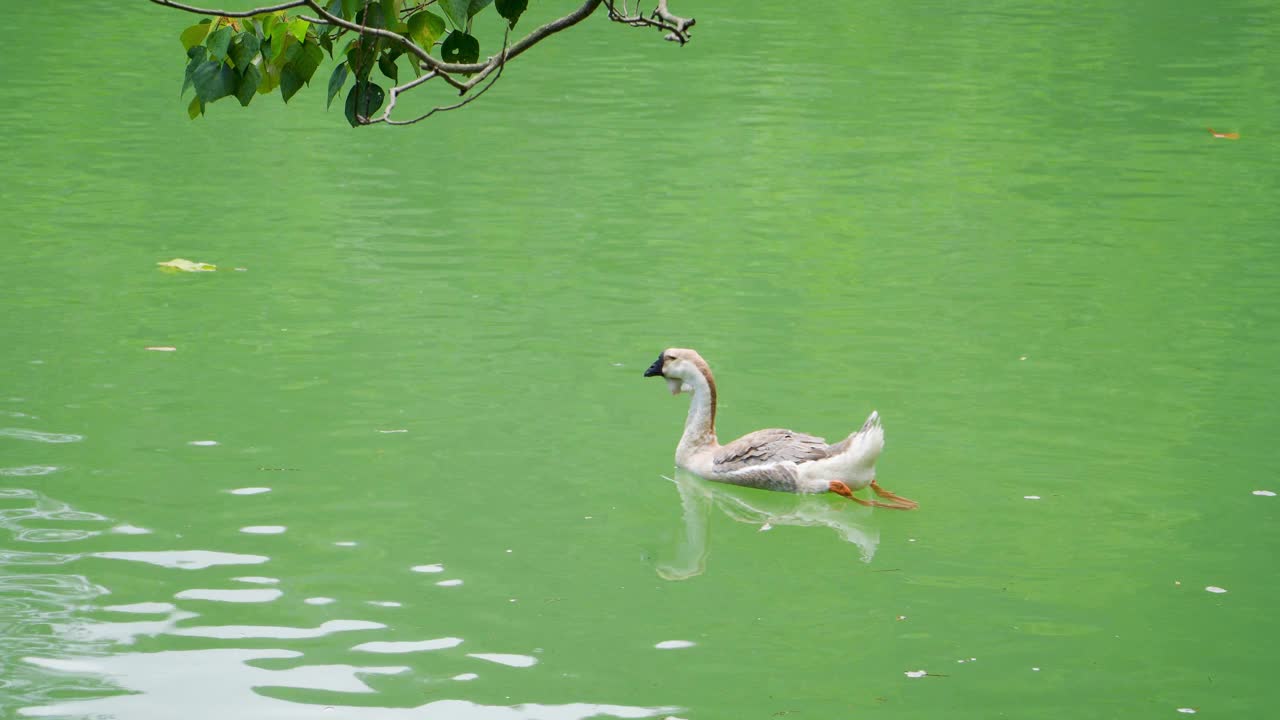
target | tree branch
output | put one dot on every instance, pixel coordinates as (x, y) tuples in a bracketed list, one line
[(331, 19), (231, 13), (676, 27), (446, 108)]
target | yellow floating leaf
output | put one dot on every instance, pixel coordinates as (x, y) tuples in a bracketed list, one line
[(182, 265)]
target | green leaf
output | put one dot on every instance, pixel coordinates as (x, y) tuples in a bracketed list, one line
[(350, 8), (359, 60), (269, 22), (460, 11), (390, 10), (456, 11), (196, 108), (336, 81), (425, 28), (387, 64), (243, 49), (290, 81), (278, 40), (248, 86), (511, 9), (213, 80), (298, 29), (326, 42), (198, 54), (308, 60), (460, 47), (218, 42), (194, 35), (371, 16), (292, 51), (364, 100), (270, 79)]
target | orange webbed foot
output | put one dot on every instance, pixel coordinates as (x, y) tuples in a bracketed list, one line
[(897, 502)]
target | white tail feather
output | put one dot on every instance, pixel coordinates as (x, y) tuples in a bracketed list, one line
[(855, 466)]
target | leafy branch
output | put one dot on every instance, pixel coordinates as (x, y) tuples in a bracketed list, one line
[(252, 52)]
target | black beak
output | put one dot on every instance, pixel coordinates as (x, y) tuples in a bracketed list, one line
[(655, 369)]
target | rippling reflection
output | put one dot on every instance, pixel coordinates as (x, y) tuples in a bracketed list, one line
[(221, 683), (63, 653), (185, 559), (21, 508), (38, 436), (698, 496), (68, 654), (39, 600)]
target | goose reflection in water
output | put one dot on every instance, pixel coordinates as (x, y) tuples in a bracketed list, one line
[(698, 496)]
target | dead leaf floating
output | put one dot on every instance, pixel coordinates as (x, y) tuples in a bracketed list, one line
[(161, 348), (1224, 136), (183, 265)]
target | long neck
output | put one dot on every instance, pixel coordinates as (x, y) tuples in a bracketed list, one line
[(700, 426)]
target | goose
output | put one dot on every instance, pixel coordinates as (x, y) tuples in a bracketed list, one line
[(772, 459)]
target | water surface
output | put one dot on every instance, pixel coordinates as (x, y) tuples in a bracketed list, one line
[(404, 465)]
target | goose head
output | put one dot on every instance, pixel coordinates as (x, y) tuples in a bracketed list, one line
[(681, 368)]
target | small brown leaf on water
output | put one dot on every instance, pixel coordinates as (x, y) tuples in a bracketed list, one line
[(1224, 136)]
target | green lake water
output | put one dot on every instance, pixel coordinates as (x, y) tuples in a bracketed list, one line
[(402, 462)]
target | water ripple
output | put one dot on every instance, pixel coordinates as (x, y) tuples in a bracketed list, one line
[(40, 510), (238, 632), (37, 436), (508, 659), (231, 596), (27, 470), (185, 559), (408, 647), (221, 683)]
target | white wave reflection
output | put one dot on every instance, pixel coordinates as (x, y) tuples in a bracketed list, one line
[(36, 613), (18, 557), (127, 529), (142, 608), (765, 509), (408, 647), (238, 632), (28, 470), (185, 559), (37, 436), (510, 660), (238, 595), (221, 683), (127, 633), (51, 515), (263, 529)]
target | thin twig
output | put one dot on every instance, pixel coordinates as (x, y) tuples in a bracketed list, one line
[(677, 27), (395, 93), (331, 19), (231, 13), (528, 41), (455, 106)]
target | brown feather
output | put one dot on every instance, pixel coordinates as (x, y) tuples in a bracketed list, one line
[(771, 446)]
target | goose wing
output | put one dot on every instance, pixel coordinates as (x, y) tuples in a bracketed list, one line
[(770, 446)]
